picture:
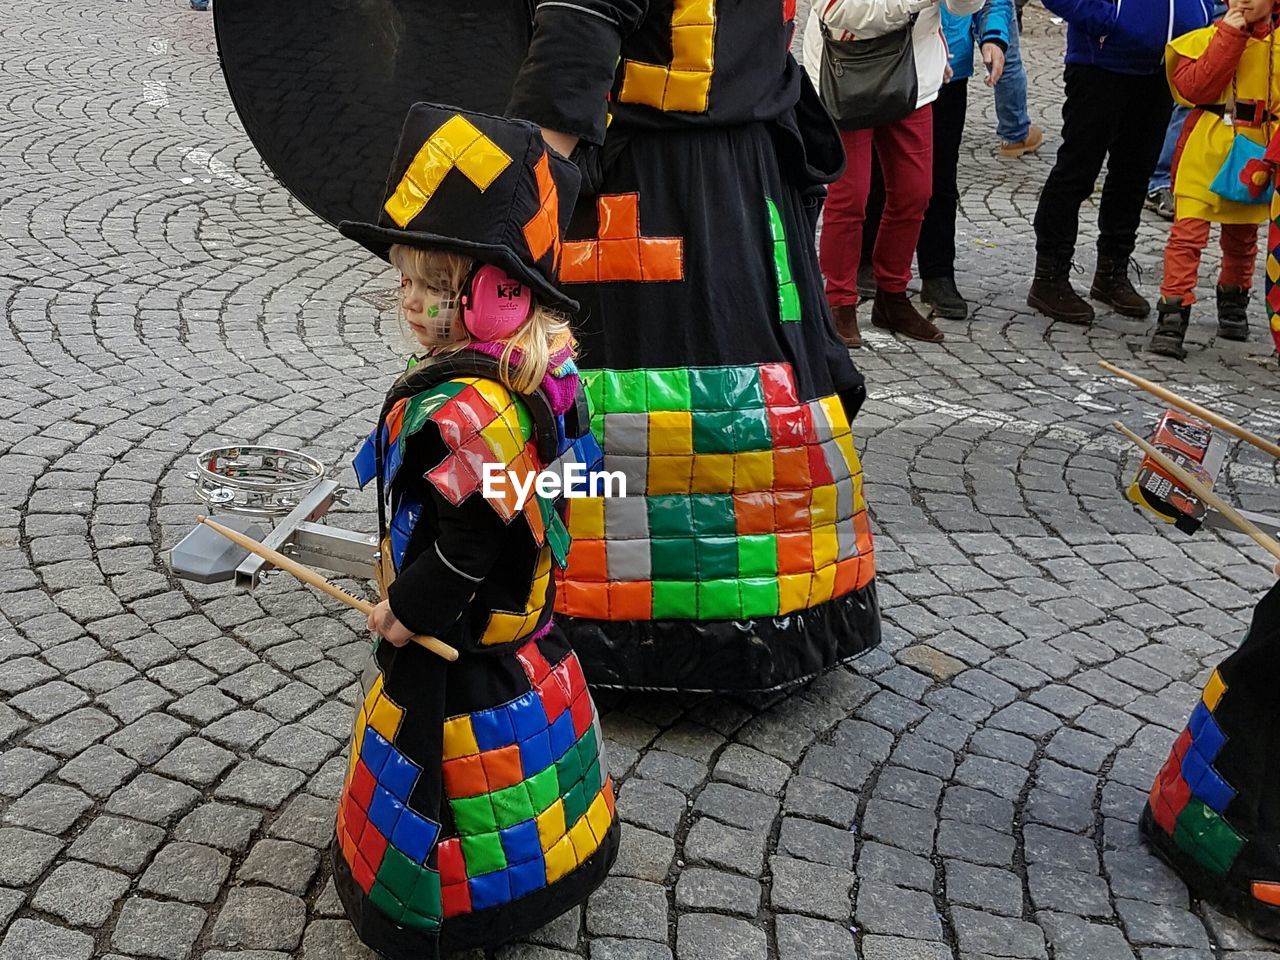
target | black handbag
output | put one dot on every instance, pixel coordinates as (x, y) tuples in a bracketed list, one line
[(868, 83)]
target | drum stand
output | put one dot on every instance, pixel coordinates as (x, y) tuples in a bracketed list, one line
[(249, 484)]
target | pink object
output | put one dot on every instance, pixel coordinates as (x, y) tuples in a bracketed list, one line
[(494, 306)]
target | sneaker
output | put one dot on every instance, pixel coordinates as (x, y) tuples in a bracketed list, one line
[(1161, 203), (1032, 143), (201, 5)]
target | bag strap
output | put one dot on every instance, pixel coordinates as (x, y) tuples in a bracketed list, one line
[(909, 26)]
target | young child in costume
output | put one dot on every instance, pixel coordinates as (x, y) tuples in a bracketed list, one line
[(1226, 73), (477, 806)]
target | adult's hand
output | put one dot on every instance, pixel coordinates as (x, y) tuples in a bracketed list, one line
[(384, 623), (993, 57)]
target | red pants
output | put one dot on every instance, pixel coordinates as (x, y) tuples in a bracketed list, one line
[(1187, 241), (905, 151)]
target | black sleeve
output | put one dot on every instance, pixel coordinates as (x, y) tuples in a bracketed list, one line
[(431, 593), (565, 80)]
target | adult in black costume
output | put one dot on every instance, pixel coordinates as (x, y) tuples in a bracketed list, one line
[(742, 557)]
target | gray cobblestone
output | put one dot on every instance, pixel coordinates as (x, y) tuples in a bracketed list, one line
[(80, 894)]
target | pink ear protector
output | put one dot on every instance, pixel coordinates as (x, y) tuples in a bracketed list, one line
[(494, 306)]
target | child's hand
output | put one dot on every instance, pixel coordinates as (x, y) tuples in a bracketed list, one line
[(993, 57), (1235, 15), (384, 623)]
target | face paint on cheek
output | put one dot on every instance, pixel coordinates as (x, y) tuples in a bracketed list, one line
[(441, 314)]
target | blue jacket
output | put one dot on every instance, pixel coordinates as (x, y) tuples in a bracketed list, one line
[(1127, 36), (992, 23)]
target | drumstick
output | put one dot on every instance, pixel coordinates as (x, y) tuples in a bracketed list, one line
[(317, 580), (1190, 483), (1217, 420)]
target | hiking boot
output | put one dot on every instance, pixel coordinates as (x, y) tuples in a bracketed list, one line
[(846, 320), (1051, 293), (1161, 203), (1111, 285), (1171, 328), (1032, 143), (1233, 313), (866, 281), (941, 294), (895, 311)]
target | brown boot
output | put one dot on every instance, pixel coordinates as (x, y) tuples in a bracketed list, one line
[(846, 318), (1051, 292), (894, 311), (1112, 286)]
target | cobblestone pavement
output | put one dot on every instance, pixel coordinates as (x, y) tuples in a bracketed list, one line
[(170, 754)]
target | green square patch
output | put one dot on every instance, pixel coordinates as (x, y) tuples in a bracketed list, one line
[(709, 388), (399, 874), (667, 389), (751, 430), (1202, 833), (474, 815), (419, 921), (789, 310), (718, 600), (673, 558), (512, 805), (757, 555), (576, 802), (386, 901), (624, 391), (742, 387), (569, 769), (713, 431), (544, 789), (425, 901), (483, 854), (717, 559), (674, 600), (713, 514), (759, 597), (670, 516)]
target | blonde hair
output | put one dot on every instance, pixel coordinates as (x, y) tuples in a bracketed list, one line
[(526, 353)]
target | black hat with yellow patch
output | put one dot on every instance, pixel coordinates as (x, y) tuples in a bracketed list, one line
[(483, 186)]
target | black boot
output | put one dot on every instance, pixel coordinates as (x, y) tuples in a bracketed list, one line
[(941, 294), (1111, 286), (1052, 295), (1233, 313), (1171, 328)]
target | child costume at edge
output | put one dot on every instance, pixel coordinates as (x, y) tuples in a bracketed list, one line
[(1213, 813), (477, 806), (1227, 73), (741, 558)]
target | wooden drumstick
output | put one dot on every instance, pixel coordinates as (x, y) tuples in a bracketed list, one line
[(317, 580), (1204, 413), (1190, 483)]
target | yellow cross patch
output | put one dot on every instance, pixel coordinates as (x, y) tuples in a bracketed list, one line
[(455, 144)]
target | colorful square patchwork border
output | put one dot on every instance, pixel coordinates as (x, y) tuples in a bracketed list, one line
[(525, 782), (1189, 797), (742, 501)]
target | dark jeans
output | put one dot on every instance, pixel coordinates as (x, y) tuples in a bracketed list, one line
[(1106, 116), (936, 251)]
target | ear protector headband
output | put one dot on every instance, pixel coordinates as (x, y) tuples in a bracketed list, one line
[(494, 306)]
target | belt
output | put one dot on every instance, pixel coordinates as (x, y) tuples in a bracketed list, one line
[(1249, 113)]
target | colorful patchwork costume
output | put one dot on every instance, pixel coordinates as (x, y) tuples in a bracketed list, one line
[(741, 558), (477, 804), (1214, 810)]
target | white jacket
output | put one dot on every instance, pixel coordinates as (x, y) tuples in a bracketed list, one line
[(874, 18)]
